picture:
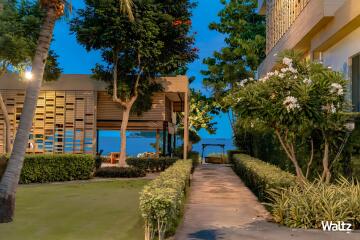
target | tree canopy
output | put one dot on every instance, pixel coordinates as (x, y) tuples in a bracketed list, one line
[(20, 24), (244, 31), (158, 42)]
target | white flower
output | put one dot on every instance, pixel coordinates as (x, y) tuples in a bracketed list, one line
[(252, 125), (264, 79), (337, 89), (281, 75), (251, 79), (295, 77), (284, 70), (329, 108), (293, 70), (276, 73), (291, 103), (307, 81), (287, 61)]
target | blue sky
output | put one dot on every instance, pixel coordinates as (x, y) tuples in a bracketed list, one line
[(74, 58)]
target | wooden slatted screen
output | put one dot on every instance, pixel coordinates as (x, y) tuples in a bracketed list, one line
[(64, 121), (280, 15)]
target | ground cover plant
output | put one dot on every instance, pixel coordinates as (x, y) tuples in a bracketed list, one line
[(306, 206), (93, 211), (162, 200)]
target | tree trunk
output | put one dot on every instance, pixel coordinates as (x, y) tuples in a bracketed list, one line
[(157, 143), (290, 152), (7, 140), (310, 160), (10, 179), (124, 124), (326, 176)]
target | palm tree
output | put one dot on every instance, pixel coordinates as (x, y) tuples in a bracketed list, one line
[(9, 182), (8, 185)]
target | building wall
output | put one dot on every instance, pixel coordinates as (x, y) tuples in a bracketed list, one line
[(64, 121), (338, 56)]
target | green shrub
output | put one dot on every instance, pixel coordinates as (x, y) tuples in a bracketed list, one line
[(56, 168), (260, 176), (231, 153), (119, 172), (161, 201), (308, 205), (151, 164)]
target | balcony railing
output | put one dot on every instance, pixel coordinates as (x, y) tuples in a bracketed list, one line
[(280, 15)]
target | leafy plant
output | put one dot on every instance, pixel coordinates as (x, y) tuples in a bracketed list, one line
[(162, 200), (308, 205), (119, 172), (296, 100)]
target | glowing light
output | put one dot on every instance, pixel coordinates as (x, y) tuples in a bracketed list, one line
[(28, 75)]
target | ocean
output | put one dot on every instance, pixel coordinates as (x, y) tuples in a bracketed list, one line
[(136, 145)]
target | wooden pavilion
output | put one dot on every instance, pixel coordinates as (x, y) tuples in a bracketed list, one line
[(71, 111)]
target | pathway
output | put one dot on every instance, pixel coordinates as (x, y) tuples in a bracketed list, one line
[(221, 207)]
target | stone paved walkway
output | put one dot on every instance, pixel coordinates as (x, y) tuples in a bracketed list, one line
[(221, 207)]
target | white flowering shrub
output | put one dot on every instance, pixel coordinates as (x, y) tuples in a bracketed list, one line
[(296, 98), (161, 200)]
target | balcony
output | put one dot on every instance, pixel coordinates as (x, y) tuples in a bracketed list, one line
[(293, 24)]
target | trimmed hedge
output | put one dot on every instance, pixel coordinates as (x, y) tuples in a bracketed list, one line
[(260, 176), (119, 172), (231, 153), (41, 168), (151, 164), (162, 200)]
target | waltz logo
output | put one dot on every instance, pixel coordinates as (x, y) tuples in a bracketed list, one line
[(338, 226)]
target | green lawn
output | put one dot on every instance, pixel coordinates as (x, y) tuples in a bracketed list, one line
[(101, 211)]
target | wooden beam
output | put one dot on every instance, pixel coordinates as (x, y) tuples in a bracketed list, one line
[(186, 125)]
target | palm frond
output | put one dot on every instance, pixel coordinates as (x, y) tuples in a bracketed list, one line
[(126, 7)]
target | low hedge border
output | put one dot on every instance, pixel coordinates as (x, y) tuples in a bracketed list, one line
[(151, 164), (119, 172), (42, 168), (261, 177), (162, 200)]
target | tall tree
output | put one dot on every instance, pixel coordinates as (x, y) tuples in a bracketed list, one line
[(19, 30), (155, 43), (53, 9), (244, 29)]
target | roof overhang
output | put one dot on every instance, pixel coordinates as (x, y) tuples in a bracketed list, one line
[(84, 82)]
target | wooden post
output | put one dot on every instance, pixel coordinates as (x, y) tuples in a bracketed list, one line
[(157, 145), (164, 139), (186, 125)]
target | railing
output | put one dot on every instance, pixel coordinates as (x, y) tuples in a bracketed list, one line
[(280, 15)]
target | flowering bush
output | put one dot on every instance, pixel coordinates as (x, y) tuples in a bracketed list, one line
[(296, 99), (162, 199)]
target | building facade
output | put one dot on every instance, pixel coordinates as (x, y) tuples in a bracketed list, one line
[(72, 110), (325, 30)]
